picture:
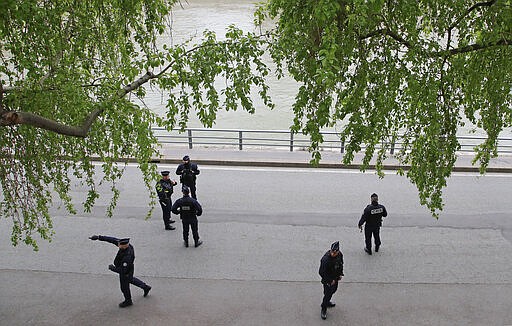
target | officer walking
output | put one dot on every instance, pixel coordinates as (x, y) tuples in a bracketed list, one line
[(188, 173), (123, 265), (189, 209), (331, 271), (164, 189), (372, 220)]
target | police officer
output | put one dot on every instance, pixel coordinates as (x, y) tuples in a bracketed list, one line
[(164, 189), (372, 220), (331, 271), (189, 209), (188, 173), (123, 265)]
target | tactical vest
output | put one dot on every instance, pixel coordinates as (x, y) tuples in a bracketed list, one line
[(187, 210), (187, 177)]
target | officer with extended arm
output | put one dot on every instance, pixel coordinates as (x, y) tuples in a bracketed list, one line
[(123, 265)]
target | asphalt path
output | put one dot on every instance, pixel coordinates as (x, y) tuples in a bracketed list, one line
[(264, 232), (322, 197)]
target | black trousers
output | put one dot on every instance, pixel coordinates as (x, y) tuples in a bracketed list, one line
[(125, 281), (368, 232), (329, 290), (166, 211), (192, 187), (187, 224)]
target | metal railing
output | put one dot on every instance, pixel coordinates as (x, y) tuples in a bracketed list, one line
[(244, 138)]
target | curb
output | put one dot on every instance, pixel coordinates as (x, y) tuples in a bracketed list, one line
[(390, 167)]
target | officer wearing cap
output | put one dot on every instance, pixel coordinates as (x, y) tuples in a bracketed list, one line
[(188, 173), (164, 189), (372, 220), (331, 271), (123, 265), (189, 209)]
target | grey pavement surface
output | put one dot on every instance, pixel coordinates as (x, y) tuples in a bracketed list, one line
[(285, 158), (262, 246)]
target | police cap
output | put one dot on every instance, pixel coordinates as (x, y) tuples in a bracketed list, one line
[(186, 158), (335, 246), (165, 173), (124, 241), (185, 189)]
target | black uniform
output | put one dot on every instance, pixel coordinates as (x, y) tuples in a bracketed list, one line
[(123, 265), (164, 189), (188, 173), (372, 220), (189, 209), (331, 270)]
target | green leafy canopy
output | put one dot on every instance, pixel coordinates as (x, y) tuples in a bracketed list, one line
[(413, 70), (408, 70)]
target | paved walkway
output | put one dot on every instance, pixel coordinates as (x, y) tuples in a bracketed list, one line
[(284, 158), (257, 274), (253, 274)]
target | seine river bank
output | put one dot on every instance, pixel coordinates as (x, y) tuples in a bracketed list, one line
[(195, 16)]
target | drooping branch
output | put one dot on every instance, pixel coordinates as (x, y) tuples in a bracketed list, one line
[(27, 118), (1, 98), (8, 118), (447, 52), (472, 48), (473, 7), (136, 84), (388, 32)]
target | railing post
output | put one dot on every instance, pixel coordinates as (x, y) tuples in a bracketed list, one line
[(342, 146), (392, 150), (189, 139), (240, 136), (291, 141)]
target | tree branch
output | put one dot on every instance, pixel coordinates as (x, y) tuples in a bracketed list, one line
[(26, 118), (473, 7), (1, 98), (472, 48), (9, 118), (386, 31)]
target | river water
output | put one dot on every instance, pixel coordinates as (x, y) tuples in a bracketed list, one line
[(190, 20)]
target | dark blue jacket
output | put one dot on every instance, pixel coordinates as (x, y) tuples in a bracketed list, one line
[(164, 189), (331, 268), (124, 259), (187, 207), (187, 173), (373, 215)]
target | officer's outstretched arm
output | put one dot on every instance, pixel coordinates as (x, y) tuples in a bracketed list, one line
[(109, 239)]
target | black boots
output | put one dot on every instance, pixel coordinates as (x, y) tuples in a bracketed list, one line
[(125, 303), (323, 313), (146, 291)]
